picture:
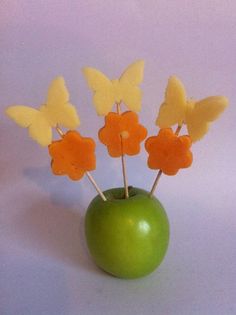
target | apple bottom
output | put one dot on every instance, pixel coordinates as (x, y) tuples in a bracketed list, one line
[(127, 238)]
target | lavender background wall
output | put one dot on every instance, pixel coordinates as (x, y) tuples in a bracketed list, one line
[(44, 266)]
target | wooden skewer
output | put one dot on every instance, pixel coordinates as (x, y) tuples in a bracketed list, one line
[(154, 186), (123, 161), (95, 185), (59, 131), (177, 131), (90, 177), (124, 176)]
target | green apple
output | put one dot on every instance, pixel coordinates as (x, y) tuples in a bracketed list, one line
[(127, 238)]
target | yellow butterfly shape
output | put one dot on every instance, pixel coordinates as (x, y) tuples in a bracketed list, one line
[(108, 92), (197, 115), (56, 111)]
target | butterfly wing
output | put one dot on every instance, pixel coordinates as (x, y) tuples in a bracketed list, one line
[(22, 115), (58, 109), (202, 114), (41, 131), (173, 110), (104, 96), (129, 83), (34, 120)]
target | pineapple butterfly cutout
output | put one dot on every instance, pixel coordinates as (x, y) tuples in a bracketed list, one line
[(57, 110)]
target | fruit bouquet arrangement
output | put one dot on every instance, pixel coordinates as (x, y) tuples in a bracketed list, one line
[(127, 229)]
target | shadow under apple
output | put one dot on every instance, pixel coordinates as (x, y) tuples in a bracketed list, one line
[(56, 232)]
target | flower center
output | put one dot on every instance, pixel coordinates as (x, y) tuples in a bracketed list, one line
[(124, 134)]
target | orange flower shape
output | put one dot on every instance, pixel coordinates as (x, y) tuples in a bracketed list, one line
[(122, 134), (169, 152), (73, 155)]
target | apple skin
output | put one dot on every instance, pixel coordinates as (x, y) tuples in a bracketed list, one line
[(127, 238)]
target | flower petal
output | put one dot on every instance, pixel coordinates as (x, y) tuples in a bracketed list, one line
[(168, 152), (73, 155), (122, 134)]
